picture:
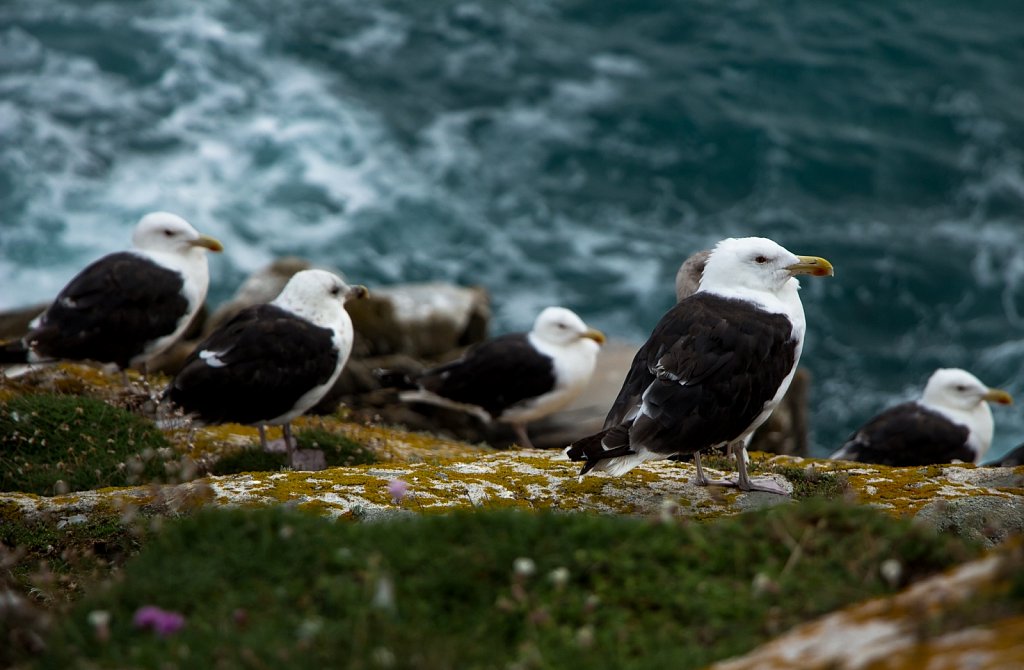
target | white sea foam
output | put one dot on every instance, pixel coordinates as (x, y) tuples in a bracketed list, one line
[(579, 168)]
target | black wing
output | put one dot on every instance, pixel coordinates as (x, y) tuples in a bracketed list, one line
[(704, 375), (111, 311), (263, 360), (908, 434), (494, 375)]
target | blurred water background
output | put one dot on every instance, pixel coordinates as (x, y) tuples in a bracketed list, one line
[(554, 151)]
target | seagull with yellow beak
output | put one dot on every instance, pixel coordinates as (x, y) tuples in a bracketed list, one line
[(950, 422), (128, 306), (515, 378), (714, 367)]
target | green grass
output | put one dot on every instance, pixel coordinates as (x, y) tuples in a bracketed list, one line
[(79, 441), (278, 588), (48, 564), (338, 451), (811, 482)]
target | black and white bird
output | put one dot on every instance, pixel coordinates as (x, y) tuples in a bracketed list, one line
[(714, 367), (126, 307), (272, 362), (515, 378), (951, 421)]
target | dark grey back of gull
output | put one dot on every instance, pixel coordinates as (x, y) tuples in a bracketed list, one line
[(266, 359), (111, 311)]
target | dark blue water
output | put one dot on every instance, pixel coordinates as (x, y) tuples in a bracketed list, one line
[(555, 152)]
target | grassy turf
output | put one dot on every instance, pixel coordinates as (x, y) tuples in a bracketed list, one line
[(277, 588), (47, 563), (52, 443)]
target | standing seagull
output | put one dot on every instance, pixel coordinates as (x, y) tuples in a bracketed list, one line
[(514, 378), (951, 421), (126, 307), (272, 362), (714, 367)]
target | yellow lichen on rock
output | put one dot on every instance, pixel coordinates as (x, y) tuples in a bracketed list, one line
[(916, 628), (905, 491)]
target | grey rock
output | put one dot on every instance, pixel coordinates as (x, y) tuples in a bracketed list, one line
[(420, 320), (986, 519)]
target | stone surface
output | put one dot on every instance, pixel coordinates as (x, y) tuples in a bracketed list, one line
[(987, 519), (897, 632), (527, 479), (454, 476), (419, 320)]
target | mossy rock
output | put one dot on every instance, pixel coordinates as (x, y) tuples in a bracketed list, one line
[(276, 587), (53, 443), (339, 451)]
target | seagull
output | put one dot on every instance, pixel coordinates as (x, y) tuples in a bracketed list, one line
[(128, 306), (515, 378), (950, 422), (714, 367), (272, 362)]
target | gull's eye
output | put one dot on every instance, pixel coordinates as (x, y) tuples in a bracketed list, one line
[(335, 290), (961, 388), (761, 260), (168, 232), (561, 326)]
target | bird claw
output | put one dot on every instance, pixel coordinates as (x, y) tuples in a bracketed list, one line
[(769, 486), (766, 486)]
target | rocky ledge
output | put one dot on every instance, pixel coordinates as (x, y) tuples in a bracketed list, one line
[(985, 504)]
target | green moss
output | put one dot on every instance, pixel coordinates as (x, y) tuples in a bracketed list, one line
[(338, 450), (80, 441), (272, 588), (811, 482)]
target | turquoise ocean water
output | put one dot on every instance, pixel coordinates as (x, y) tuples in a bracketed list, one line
[(569, 152)]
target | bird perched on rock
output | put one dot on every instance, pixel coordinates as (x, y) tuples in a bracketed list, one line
[(515, 378), (272, 362), (126, 307), (714, 367), (950, 422)]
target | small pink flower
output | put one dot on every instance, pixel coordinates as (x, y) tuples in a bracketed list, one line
[(397, 489), (162, 622)]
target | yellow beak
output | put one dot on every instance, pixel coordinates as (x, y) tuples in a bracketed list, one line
[(811, 265), (998, 396), (595, 335), (208, 242)]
